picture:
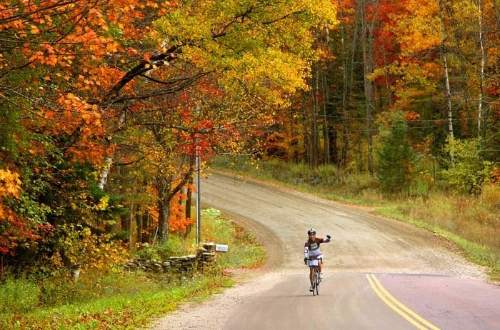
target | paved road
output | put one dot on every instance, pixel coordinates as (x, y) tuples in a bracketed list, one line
[(380, 274)]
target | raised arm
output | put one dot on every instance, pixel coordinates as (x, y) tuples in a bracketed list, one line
[(328, 239)]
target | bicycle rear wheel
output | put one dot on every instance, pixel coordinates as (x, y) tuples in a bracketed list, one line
[(313, 285), (317, 280)]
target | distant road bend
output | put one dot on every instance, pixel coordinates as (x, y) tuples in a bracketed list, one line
[(379, 274)]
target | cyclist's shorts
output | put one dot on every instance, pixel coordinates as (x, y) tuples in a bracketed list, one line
[(315, 254), (314, 262)]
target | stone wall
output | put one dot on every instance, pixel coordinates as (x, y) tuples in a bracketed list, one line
[(204, 256)]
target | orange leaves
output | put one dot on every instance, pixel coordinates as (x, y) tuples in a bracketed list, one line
[(177, 219), (46, 55), (75, 116), (74, 111), (147, 56), (412, 116)]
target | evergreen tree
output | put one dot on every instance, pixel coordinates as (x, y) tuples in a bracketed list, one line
[(394, 157)]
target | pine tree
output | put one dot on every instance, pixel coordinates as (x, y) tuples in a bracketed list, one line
[(395, 156)]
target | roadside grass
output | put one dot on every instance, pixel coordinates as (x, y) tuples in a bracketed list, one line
[(125, 300), (244, 252), (472, 223)]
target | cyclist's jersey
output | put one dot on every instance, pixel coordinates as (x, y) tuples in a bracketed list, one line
[(311, 247)]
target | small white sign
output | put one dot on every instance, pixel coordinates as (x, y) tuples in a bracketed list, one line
[(221, 248)]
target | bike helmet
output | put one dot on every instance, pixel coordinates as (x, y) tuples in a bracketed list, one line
[(311, 231)]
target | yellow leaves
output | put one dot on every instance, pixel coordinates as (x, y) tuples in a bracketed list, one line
[(256, 47), (10, 184), (323, 11), (103, 203), (377, 72), (89, 251), (10, 187), (34, 29)]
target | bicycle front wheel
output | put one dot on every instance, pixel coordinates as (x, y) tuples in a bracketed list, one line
[(317, 280)]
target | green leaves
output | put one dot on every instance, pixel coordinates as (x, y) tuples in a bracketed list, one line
[(394, 157), (467, 170)]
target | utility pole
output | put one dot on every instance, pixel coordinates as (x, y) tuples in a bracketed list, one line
[(198, 194)]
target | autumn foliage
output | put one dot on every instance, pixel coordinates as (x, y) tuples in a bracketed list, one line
[(104, 105)]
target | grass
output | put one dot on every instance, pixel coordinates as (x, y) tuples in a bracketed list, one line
[(125, 300), (472, 223)]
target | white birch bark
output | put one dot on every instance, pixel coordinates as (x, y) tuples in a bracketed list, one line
[(481, 69), (446, 73), (108, 162)]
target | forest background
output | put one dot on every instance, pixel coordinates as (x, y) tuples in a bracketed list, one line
[(104, 105)]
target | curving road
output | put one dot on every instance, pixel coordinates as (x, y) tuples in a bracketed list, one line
[(379, 274)]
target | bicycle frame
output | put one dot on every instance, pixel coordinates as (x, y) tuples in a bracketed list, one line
[(315, 279)]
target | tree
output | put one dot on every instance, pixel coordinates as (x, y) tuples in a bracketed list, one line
[(395, 157)]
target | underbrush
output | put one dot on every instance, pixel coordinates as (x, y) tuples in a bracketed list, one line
[(120, 299), (471, 222)]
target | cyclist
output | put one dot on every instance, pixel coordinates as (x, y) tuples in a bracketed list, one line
[(312, 251)]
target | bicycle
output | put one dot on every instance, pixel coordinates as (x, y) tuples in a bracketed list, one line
[(315, 279)]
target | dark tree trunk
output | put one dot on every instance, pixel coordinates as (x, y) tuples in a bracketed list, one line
[(315, 137), (189, 204), (163, 212), (367, 48), (163, 204), (307, 139), (139, 223), (333, 152), (326, 120)]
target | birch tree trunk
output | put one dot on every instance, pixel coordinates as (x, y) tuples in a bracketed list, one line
[(108, 162), (446, 73), (481, 69), (448, 96)]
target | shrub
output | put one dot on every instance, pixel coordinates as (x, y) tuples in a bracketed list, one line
[(467, 171), (148, 252), (174, 246), (18, 296), (89, 251)]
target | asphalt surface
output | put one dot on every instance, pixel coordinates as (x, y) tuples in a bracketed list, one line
[(379, 273)]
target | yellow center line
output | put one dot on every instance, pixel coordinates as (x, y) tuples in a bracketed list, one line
[(397, 306)]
